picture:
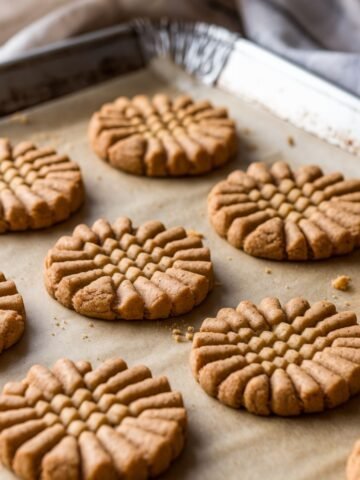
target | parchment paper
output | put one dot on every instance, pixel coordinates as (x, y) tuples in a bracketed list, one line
[(222, 443)]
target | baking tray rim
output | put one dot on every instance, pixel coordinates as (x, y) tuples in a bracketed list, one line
[(127, 27)]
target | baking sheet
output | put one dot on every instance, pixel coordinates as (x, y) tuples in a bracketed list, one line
[(222, 443)]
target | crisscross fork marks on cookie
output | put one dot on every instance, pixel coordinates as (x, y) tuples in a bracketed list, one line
[(77, 423), (118, 271), (163, 137), (12, 313), (38, 187), (283, 360), (281, 214)]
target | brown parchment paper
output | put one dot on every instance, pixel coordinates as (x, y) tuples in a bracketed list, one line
[(222, 443)]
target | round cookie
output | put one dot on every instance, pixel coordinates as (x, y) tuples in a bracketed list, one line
[(38, 187), (77, 423), (279, 360), (161, 137), (353, 463), (12, 313), (278, 213), (118, 271)]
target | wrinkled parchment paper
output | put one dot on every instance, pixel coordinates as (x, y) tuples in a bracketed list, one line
[(222, 443)]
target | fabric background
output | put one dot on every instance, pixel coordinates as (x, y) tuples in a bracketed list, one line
[(322, 35)]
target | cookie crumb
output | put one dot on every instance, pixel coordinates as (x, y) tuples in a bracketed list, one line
[(40, 136), (177, 338), (85, 337), (291, 141), (246, 131), (250, 147), (341, 283), (194, 233), (347, 304), (176, 331), (91, 325), (190, 329), (189, 336), (268, 270), (20, 118)]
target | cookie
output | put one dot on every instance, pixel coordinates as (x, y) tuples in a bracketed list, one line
[(38, 187), (76, 423), (353, 463), (12, 314), (277, 213), (161, 137), (279, 360), (118, 271)]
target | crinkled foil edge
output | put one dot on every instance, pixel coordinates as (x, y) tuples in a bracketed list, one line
[(200, 49)]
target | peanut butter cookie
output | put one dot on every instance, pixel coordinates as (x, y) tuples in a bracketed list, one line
[(12, 314), (281, 214), (75, 423), (353, 463), (118, 271), (162, 137), (282, 360), (38, 187)]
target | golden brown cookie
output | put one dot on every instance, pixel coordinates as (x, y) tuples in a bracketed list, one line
[(76, 423), (118, 271), (282, 360), (283, 214), (38, 187), (161, 137), (353, 463), (12, 314)]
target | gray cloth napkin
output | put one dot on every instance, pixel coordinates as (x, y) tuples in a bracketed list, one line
[(321, 35)]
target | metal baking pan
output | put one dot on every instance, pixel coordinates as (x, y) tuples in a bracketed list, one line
[(207, 62), (211, 53)]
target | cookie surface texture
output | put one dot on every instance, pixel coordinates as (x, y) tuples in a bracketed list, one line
[(12, 313), (38, 187), (118, 271), (353, 463), (73, 422), (161, 137), (282, 360), (278, 213)]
